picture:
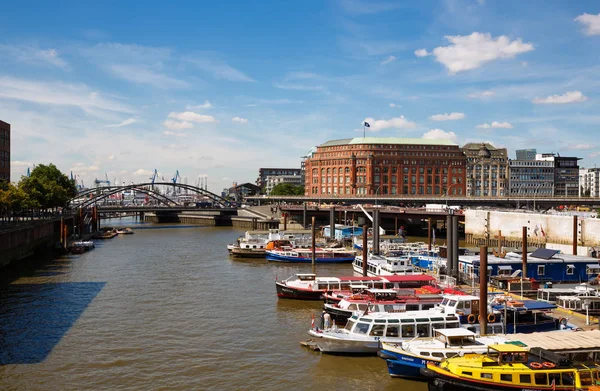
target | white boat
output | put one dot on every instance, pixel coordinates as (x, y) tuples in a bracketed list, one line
[(382, 265), (362, 334), (405, 359), (254, 243)]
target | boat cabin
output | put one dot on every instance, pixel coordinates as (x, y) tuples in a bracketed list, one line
[(382, 294), (411, 324), (507, 353)]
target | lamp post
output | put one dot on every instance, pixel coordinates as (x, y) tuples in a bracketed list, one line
[(448, 193), (376, 192)]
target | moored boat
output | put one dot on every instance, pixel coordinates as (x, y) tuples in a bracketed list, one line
[(383, 265), (322, 255), (125, 231)]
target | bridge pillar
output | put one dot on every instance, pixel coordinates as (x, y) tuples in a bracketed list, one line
[(304, 215), (332, 223), (141, 216), (455, 246)]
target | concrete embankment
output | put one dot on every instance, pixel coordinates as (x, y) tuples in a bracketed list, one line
[(212, 218), (25, 239)]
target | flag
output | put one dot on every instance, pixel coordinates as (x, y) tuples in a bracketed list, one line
[(543, 233), (367, 125), (312, 322), (553, 384), (536, 230)]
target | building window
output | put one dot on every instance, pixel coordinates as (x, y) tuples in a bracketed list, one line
[(570, 270), (541, 270)]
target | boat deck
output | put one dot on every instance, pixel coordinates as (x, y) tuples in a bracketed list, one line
[(559, 341)]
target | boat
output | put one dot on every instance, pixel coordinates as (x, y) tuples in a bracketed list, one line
[(322, 255), (125, 231), (382, 265), (255, 243), (361, 334), (82, 246), (527, 316), (510, 367), (307, 286), (405, 359), (378, 300)]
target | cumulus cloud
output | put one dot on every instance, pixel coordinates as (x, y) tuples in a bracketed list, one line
[(567, 97), (176, 134), (141, 171), (467, 52), (239, 120), (594, 154), (128, 121), (447, 117), (190, 116), (398, 123), (388, 60), (581, 146), (481, 95), (591, 23), (177, 125), (205, 105), (421, 53), (439, 134), (496, 125)]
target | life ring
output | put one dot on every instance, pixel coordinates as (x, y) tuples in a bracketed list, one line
[(471, 318), (563, 321), (491, 318), (548, 364), (536, 365)]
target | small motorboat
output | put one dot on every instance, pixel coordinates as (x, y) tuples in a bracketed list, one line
[(125, 231)]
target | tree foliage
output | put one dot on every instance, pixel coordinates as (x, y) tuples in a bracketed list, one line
[(287, 189)]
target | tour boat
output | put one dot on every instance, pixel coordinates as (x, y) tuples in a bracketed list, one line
[(381, 265), (510, 367), (125, 231), (307, 286), (379, 300), (255, 243), (361, 334), (405, 359), (322, 255)]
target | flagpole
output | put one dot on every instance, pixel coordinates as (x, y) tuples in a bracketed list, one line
[(364, 130)]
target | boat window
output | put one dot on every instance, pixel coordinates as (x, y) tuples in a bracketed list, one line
[(453, 354), (427, 306), (567, 379), (585, 378), (412, 307), (361, 328), (379, 320), (345, 286), (460, 305), (322, 285), (423, 330), (524, 378), (393, 321), (540, 378), (408, 331), (425, 354), (377, 330), (352, 307), (388, 308), (554, 378), (452, 325), (392, 331), (452, 303), (465, 373), (362, 307), (506, 377), (570, 270), (438, 355), (349, 325), (407, 320), (445, 301), (422, 320), (541, 271), (486, 375), (435, 326)]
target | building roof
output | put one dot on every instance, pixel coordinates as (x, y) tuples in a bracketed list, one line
[(387, 141), (477, 146)]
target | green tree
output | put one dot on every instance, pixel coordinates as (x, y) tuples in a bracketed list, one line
[(48, 187), (287, 189), (14, 200)]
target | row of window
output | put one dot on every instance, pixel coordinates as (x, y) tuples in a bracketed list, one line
[(540, 378), (386, 170), (393, 190)]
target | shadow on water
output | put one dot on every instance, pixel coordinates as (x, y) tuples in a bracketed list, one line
[(34, 317)]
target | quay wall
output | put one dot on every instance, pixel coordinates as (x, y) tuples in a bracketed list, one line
[(23, 240), (485, 227), (212, 219)]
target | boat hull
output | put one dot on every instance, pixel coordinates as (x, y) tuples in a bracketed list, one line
[(344, 346), (438, 382), (403, 365), (283, 258), (289, 292), (243, 253)]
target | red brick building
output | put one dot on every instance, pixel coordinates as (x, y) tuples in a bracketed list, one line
[(386, 166), (4, 151)]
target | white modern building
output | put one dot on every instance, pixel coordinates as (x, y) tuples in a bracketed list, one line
[(589, 182), (273, 180)]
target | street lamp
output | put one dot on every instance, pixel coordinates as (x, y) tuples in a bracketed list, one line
[(448, 192), (377, 191)]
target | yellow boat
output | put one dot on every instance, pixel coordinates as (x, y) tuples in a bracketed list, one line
[(510, 367)]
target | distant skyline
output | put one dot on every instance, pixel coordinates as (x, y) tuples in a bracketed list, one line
[(222, 89)]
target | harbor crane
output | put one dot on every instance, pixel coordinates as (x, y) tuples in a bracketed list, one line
[(176, 177), (99, 181), (154, 175)]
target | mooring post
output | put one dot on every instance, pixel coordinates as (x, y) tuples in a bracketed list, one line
[(284, 221), (429, 233), (376, 231), (313, 240), (483, 291), (575, 235), (304, 216), (62, 228), (449, 246), (455, 246), (332, 223), (524, 257), (365, 251)]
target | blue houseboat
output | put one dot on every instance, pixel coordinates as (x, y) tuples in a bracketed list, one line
[(542, 265)]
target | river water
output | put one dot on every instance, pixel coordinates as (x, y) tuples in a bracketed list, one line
[(167, 309)]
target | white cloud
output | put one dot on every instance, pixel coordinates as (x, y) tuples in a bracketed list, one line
[(422, 53), (392, 105), (205, 105), (220, 69), (239, 120), (388, 60), (299, 87), (128, 121), (190, 116), (496, 125), (468, 52), (567, 97), (398, 123), (141, 74), (176, 134), (581, 146), (141, 171), (591, 22), (447, 117), (177, 125), (594, 154), (439, 134), (33, 55), (57, 93), (21, 164), (481, 95)]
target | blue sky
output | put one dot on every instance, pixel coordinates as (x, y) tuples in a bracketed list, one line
[(220, 89)]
